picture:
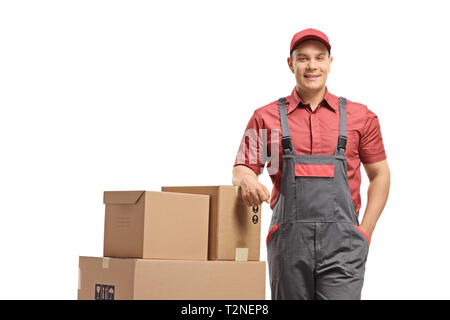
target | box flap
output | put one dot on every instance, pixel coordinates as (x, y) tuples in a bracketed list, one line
[(121, 197)]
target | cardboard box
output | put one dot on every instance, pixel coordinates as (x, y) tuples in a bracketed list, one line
[(157, 225), (122, 278), (234, 228)]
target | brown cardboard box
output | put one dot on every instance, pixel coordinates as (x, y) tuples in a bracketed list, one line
[(158, 225), (234, 228), (121, 278)]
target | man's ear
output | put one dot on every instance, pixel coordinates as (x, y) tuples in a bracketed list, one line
[(289, 61)]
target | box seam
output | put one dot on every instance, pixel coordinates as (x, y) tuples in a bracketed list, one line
[(145, 220), (133, 289), (219, 199)]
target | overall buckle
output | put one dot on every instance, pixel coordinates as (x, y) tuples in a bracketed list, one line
[(342, 142), (287, 143)]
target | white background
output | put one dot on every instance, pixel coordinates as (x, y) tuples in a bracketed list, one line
[(130, 95)]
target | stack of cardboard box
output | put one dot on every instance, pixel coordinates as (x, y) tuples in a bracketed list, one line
[(195, 242)]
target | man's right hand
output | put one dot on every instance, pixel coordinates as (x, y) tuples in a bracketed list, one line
[(253, 192)]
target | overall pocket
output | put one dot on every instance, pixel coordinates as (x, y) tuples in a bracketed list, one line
[(366, 237), (274, 242), (272, 230), (360, 249), (315, 191)]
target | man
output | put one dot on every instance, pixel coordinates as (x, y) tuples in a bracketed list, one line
[(316, 248)]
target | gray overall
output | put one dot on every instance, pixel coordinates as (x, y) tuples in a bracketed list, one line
[(315, 249)]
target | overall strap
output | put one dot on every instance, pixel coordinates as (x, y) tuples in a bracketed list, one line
[(286, 136), (342, 141)]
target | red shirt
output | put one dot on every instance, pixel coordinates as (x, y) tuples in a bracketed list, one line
[(312, 132)]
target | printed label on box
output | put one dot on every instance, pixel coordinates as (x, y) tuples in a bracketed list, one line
[(104, 292)]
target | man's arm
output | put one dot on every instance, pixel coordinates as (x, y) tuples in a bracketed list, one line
[(253, 192), (380, 178)]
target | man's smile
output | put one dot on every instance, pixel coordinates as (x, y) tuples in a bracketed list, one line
[(311, 77)]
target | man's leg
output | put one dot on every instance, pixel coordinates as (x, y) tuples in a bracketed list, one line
[(296, 278), (342, 253)]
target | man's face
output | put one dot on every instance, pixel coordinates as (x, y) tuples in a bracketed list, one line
[(310, 63)]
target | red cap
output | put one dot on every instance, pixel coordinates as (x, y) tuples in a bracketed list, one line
[(309, 34)]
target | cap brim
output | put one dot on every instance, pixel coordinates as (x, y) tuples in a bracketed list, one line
[(310, 37)]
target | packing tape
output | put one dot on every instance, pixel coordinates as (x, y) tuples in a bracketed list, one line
[(241, 254), (105, 263)]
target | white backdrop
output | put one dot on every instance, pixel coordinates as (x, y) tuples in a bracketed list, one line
[(130, 95)]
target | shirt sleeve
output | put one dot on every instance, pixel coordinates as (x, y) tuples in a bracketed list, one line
[(371, 147), (251, 153)]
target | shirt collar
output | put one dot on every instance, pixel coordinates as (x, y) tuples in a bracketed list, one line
[(329, 100)]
